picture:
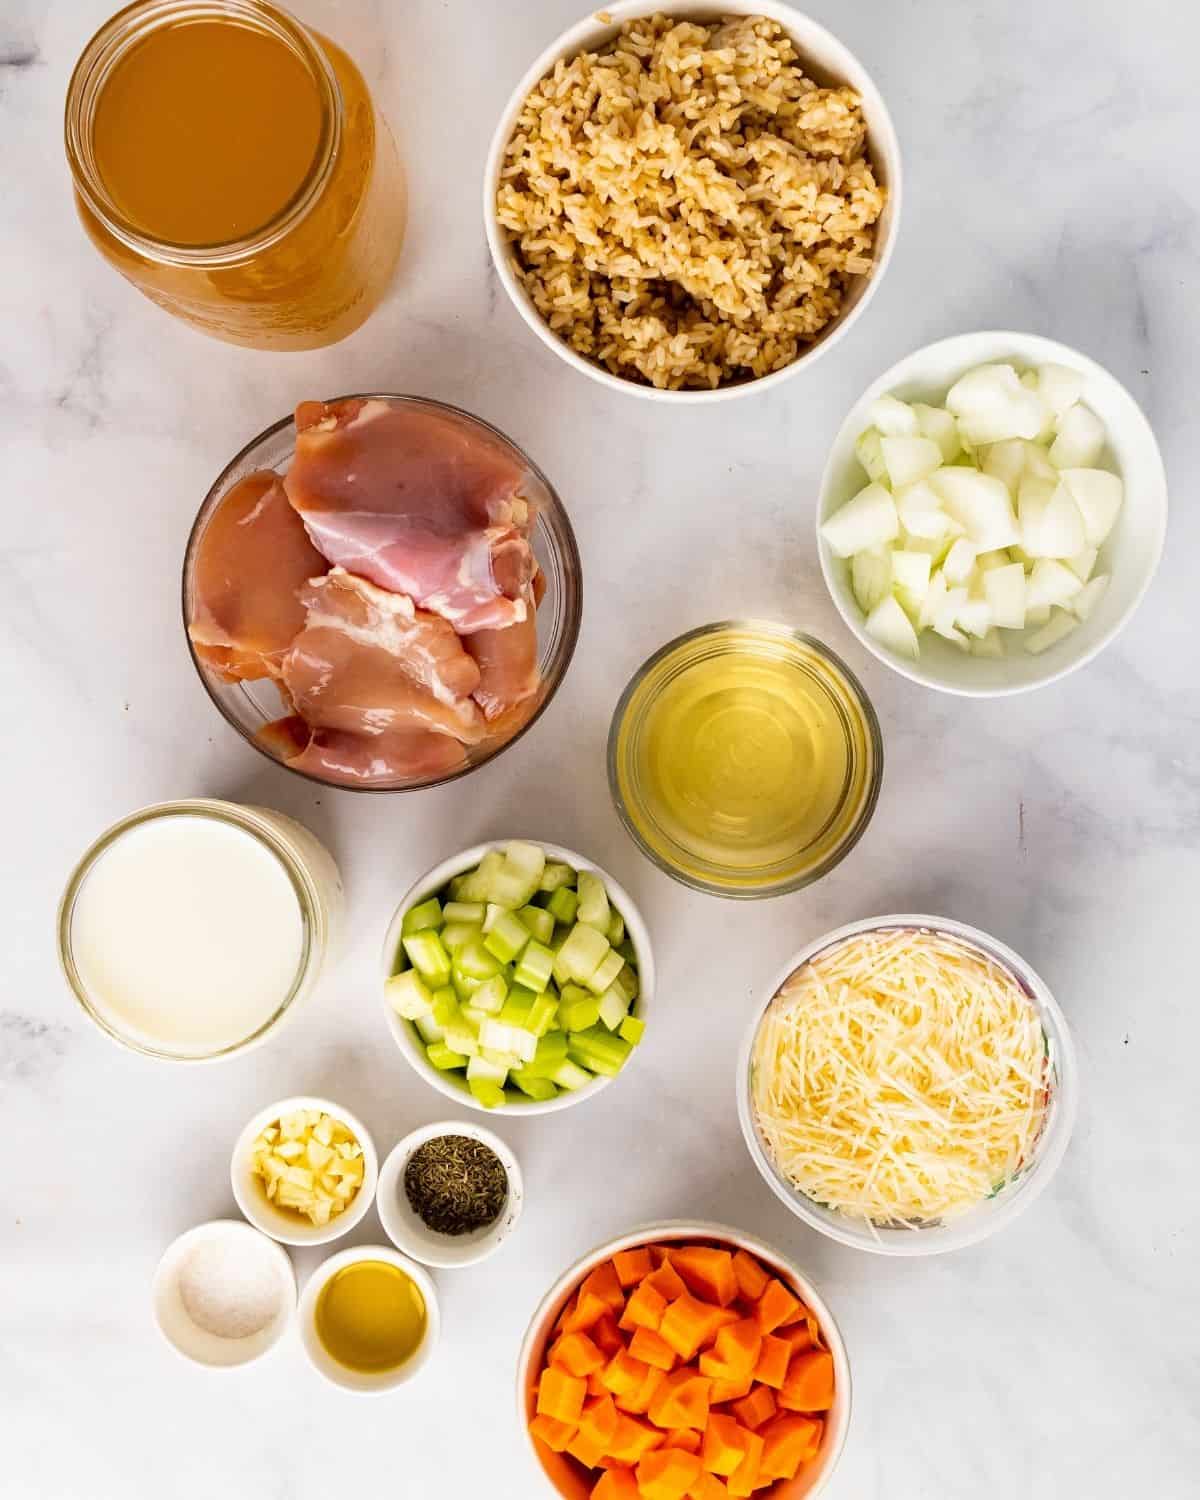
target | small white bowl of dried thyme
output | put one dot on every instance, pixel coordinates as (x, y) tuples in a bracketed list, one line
[(450, 1193)]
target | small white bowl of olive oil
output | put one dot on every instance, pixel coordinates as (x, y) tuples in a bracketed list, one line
[(369, 1319)]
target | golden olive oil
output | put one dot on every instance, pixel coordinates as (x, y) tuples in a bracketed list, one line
[(370, 1316), (745, 758)]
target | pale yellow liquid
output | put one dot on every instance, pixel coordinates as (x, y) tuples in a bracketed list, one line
[(370, 1316), (743, 756)]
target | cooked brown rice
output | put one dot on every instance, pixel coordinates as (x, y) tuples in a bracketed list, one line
[(685, 207)]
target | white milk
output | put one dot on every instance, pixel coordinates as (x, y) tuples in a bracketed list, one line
[(187, 934)]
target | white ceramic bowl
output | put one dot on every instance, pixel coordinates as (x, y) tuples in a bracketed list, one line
[(451, 1084), (827, 59), (408, 1232), (566, 1479), (361, 1383), (281, 1224), (180, 1329), (995, 1212), (1131, 553)]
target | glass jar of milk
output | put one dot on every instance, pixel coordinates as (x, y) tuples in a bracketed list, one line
[(191, 929)]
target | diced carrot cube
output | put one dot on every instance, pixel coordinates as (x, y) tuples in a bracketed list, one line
[(744, 1479), (605, 1334), (730, 1390), (645, 1307), (633, 1438), (707, 1487), (560, 1395), (666, 1281), (777, 1306), (595, 1384), (600, 1418), (756, 1408), (632, 1265), (603, 1283), (738, 1344), (587, 1448), (751, 1278), (623, 1373), (724, 1444), (638, 1401), (587, 1312), (707, 1272), (809, 1383), (684, 1437), (681, 1400), (552, 1432), (658, 1254), (688, 1324), (652, 1349), (712, 1365), (568, 1308), (772, 1364), (789, 1441), (576, 1353), (616, 1484), (667, 1474)]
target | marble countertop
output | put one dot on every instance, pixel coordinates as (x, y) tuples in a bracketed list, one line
[(1052, 185)]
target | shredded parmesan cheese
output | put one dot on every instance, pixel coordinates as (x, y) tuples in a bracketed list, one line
[(900, 1077)]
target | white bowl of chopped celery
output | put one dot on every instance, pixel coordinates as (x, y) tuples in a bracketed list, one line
[(991, 514), (517, 976)]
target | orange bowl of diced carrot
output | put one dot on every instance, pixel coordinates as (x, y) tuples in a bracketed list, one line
[(684, 1362)]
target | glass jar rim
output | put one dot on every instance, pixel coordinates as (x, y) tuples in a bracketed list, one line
[(90, 75), (246, 820), (869, 796)]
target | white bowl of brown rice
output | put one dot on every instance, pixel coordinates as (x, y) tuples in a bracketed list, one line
[(694, 201)]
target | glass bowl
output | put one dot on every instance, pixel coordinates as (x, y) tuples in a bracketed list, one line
[(249, 706), (1007, 1201), (805, 734)]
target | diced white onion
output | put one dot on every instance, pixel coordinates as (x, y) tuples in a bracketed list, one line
[(1088, 597), (1098, 494), (890, 626), (1004, 589), (1050, 583), (868, 520), (893, 418), (1061, 624), (870, 578), (1080, 439), (909, 459), (939, 425), (981, 505)]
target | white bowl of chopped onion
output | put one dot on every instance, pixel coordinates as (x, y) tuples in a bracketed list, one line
[(909, 1085), (965, 577)]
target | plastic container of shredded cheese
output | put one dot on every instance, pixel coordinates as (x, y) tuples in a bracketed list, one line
[(1007, 1199)]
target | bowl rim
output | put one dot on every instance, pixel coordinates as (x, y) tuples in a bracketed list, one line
[(298, 1235), (387, 1380), (1055, 1139), (572, 560), (872, 730), (691, 1229), (432, 881), (589, 31), (423, 1245), (1024, 346)]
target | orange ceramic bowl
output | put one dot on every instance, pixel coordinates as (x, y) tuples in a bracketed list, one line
[(561, 1474)]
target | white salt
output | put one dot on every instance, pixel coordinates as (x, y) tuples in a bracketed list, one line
[(230, 1286)]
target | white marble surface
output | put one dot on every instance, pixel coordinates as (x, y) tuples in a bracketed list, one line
[(1052, 185)]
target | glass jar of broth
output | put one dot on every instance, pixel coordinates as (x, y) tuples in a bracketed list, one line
[(231, 164)]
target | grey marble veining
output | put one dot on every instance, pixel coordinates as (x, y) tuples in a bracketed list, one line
[(1052, 184)]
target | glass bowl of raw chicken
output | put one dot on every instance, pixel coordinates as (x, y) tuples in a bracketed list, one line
[(381, 592)]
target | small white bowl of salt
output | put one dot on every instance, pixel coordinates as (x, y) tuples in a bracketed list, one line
[(224, 1294)]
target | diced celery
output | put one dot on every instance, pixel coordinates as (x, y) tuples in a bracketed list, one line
[(593, 901), (508, 936), (613, 1006), (445, 1004), (615, 931), (511, 878), (551, 1054), (475, 962), (428, 957), (491, 912), (627, 983), (408, 995), (464, 985), (462, 1034), (430, 1030), (539, 922), (517, 1006), (555, 876), (463, 911), (445, 1058), (627, 951), (581, 954), (528, 861), (562, 905), (490, 996), (536, 1088), (562, 975), (479, 1067), (499, 1037), (489, 1094), (536, 966), (542, 1014), (598, 1050), (632, 1029), (455, 934), (569, 1075), (428, 914), (577, 1010), (505, 1060), (474, 885), (606, 971)]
